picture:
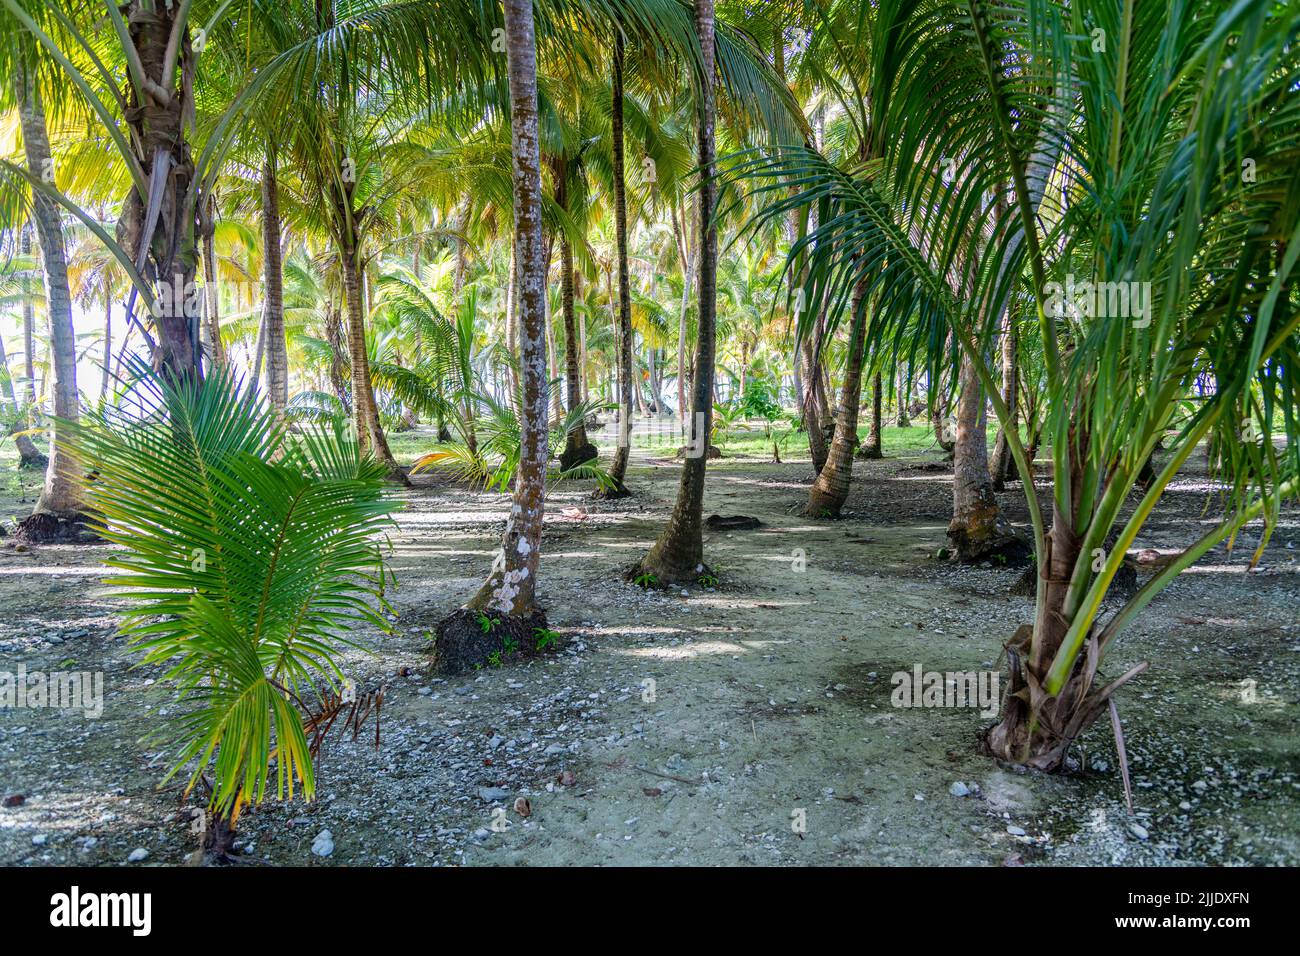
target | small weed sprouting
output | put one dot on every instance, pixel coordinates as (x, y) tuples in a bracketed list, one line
[(494, 659), (545, 638), (645, 580), (484, 622), (707, 580)]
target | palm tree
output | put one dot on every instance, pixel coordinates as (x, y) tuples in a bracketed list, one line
[(678, 554), (277, 356), (59, 509), (510, 589), (1142, 148), (618, 469)]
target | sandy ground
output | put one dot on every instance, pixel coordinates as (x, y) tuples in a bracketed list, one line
[(705, 726)]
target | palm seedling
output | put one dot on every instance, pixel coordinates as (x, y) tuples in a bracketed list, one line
[(247, 555)]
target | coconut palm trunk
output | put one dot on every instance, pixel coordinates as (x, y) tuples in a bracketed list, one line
[(577, 448), (277, 356), (902, 419), (812, 402), (29, 326), (370, 433), (688, 259), (338, 354), (871, 448), (511, 586), (59, 507), (1001, 465), (831, 489), (677, 557), (977, 530), (212, 285), (29, 456), (108, 337), (158, 120), (618, 468)]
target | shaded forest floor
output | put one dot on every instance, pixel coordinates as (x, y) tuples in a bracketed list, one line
[(771, 695)]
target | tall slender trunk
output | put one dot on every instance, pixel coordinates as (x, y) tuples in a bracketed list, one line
[(638, 385), (29, 327), (511, 587), (457, 287), (338, 354), (6, 381), (618, 468), (548, 247), (212, 284), (108, 337), (277, 354), (582, 359), (744, 365), (29, 456), (975, 524), (370, 433), (61, 499), (688, 259), (577, 448), (871, 448), (512, 332), (811, 417), (1001, 467), (678, 555), (903, 419), (831, 489)]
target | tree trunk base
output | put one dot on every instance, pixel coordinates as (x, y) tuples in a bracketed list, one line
[(43, 527), (469, 640), (823, 505), (653, 571), (613, 493), (1035, 730), (868, 452), (1003, 547), (575, 454), (713, 453), (397, 475), (30, 458)]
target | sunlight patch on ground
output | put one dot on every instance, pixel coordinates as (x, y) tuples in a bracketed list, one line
[(724, 478), (19, 570), (685, 651)]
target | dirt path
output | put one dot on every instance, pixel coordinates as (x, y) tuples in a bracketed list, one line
[(703, 727)]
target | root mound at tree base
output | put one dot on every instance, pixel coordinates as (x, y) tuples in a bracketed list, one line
[(613, 493), (661, 577), (45, 528), (462, 644), (398, 476), (578, 455), (1008, 550), (713, 453)]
